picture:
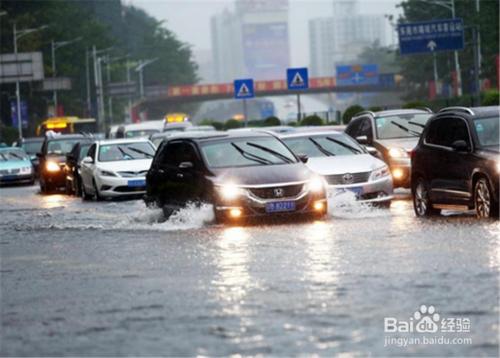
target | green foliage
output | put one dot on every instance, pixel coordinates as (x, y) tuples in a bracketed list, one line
[(415, 105), (292, 124), (233, 124), (312, 120), (351, 112), (271, 121), (212, 122), (375, 109), (491, 98)]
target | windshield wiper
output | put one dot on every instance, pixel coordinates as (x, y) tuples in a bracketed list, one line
[(270, 151), (251, 156), (141, 152), (417, 124), (405, 129), (126, 155), (345, 145), (321, 149), (17, 155)]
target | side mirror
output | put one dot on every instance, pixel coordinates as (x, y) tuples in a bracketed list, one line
[(303, 158), (87, 160), (362, 139), (186, 165), (460, 146)]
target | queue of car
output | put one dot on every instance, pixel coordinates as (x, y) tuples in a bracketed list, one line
[(450, 160)]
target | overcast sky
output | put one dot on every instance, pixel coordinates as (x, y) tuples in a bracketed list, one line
[(190, 19)]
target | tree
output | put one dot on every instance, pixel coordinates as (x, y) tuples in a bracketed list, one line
[(312, 120), (233, 124), (271, 121), (351, 112)]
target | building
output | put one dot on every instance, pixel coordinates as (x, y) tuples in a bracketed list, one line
[(252, 41), (341, 38)]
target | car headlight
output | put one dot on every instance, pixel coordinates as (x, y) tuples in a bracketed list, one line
[(52, 166), (397, 153), (230, 191), (498, 167), (106, 173), (316, 185), (380, 173)]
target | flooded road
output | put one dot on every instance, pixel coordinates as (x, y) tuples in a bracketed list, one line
[(110, 278)]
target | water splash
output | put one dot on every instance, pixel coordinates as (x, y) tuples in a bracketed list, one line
[(345, 205)]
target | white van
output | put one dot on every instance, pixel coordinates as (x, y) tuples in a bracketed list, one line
[(140, 130)]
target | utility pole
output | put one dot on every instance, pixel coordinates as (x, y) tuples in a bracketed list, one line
[(54, 46), (475, 44), (457, 63), (140, 68)]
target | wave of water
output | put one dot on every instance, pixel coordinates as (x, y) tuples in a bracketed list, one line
[(346, 206)]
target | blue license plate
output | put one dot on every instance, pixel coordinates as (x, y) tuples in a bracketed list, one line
[(136, 183), (280, 206)]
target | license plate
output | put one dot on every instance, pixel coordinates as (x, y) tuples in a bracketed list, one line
[(280, 206), (137, 183), (358, 190)]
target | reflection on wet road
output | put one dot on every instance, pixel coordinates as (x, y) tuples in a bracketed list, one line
[(111, 278)]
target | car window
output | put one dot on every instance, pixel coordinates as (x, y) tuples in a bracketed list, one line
[(243, 152), (324, 145), (365, 129), (125, 151), (61, 146), (401, 126), (32, 147), (177, 152), (140, 133), (445, 131), (91, 152), (84, 149), (487, 130)]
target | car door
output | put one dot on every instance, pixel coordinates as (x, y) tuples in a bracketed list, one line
[(87, 169)]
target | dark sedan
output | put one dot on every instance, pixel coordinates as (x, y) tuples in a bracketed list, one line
[(456, 163), (242, 175)]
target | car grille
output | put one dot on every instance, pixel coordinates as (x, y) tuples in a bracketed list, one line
[(277, 192), (128, 189), (347, 178), (9, 171), (131, 174)]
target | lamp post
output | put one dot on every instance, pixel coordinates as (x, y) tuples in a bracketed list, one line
[(139, 69), (17, 34), (55, 45), (109, 61)]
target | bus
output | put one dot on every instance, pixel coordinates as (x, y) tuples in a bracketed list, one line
[(67, 125)]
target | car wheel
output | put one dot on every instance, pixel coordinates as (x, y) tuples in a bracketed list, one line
[(421, 202), (85, 195), (483, 200)]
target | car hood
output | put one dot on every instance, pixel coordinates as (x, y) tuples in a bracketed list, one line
[(406, 143), (344, 164), (15, 164), (265, 174), (126, 165), (490, 151)]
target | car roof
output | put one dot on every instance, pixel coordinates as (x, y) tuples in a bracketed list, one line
[(33, 139), (395, 112), (122, 141), (474, 112), (65, 136), (209, 136), (308, 134)]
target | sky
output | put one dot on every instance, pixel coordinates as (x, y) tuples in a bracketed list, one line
[(190, 19)]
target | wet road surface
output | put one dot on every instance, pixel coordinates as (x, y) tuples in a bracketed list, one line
[(109, 278)]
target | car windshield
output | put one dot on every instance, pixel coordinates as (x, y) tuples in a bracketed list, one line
[(32, 147), (12, 155), (245, 152), (401, 126), (126, 151), (61, 146), (323, 145), (487, 131), (140, 133)]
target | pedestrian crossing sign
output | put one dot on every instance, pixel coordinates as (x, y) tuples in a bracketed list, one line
[(297, 78), (243, 88)]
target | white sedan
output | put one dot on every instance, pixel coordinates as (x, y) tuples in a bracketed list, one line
[(114, 168), (345, 165)]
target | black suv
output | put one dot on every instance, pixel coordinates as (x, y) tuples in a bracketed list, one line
[(456, 163), (391, 135), (52, 159), (247, 174)]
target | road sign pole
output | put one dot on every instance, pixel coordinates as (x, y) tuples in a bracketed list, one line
[(475, 44), (245, 112), (457, 63), (435, 69), (298, 108)]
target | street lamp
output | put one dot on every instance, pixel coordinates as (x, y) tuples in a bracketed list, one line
[(17, 35), (109, 61), (139, 69), (55, 46)]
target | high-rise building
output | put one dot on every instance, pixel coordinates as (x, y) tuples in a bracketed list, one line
[(252, 41), (341, 38)]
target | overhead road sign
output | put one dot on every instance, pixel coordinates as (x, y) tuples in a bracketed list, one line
[(57, 84), (297, 78), (244, 88), (122, 89), (431, 36), (357, 75), (21, 67)]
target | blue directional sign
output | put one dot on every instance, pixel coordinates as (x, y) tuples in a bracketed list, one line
[(431, 36), (244, 88), (357, 75), (297, 78)]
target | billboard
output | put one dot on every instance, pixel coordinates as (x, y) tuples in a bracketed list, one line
[(357, 75), (21, 67), (265, 49)]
